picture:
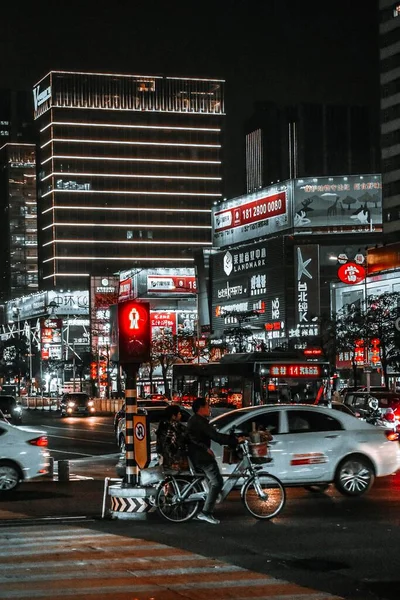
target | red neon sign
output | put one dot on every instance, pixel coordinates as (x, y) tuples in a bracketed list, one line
[(134, 332), (351, 273), (295, 370)]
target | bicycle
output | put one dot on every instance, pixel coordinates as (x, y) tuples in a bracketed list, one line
[(179, 497)]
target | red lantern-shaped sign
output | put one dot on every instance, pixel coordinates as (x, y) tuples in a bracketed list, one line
[(134, 332), (351, 273)]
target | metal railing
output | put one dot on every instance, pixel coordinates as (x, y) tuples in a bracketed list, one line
[(102, 405)]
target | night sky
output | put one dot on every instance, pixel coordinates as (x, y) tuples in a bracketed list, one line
[(278, 50)]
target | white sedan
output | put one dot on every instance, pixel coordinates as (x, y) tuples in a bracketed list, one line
[(23, 455), (313, 445)]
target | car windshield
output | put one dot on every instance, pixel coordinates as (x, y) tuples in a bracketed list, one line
[(223, 420)]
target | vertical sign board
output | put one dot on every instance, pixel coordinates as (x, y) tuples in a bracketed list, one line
[(307, 301), (141, 440)]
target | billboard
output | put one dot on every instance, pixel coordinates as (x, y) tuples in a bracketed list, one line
[(383, 259), (262, 213), (307, 301), (250, 278), (155, 283), (338, 204), (51, 339)]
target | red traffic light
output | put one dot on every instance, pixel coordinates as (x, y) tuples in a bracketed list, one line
[(134, 331)]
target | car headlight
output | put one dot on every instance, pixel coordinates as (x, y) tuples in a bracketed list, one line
[(90, 403), (71, 404)]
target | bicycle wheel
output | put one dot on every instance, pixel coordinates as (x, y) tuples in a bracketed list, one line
[(264, 496), (168, 502)]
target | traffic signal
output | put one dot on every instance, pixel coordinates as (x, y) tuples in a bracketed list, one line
[(134, 332)]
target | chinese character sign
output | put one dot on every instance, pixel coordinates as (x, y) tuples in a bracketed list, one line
[(134, 328), (307, 303)]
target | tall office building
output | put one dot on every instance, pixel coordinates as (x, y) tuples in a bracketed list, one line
[(307, 139), (16, 119), (129, 167), (389, 34), (18, 225)]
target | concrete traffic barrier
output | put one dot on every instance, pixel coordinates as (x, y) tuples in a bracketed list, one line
[(131, 502)]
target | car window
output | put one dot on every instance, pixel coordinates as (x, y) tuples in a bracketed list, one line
[(302, 421), (267, 421), (222, 420)]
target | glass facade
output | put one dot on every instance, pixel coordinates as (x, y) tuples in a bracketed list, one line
[(18, 225), (129, 167), (389, 30)]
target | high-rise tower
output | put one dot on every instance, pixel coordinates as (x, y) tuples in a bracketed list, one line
[(389, 34), (129, 167)]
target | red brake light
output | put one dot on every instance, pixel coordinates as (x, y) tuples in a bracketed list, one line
[(392, 436), (389, 415), (40, 441)]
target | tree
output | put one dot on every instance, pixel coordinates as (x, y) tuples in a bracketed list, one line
[(374, 319), (381, 313)]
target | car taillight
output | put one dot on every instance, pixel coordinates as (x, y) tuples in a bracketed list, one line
[(392, 436), (389, 416), (39, 441)]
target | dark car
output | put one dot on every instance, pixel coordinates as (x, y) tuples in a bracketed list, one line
[(11, 409), (77, 403), (359, 402), (141, 403)]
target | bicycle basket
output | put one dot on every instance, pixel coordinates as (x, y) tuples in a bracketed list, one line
[(259, 452)]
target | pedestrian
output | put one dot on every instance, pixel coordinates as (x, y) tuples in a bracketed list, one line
[(200, 434), (172, 440), (336, 396)]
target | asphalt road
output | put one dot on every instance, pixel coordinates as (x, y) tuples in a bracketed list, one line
[(348, 547)]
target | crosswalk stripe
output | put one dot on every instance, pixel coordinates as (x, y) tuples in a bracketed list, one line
[(86, 565)]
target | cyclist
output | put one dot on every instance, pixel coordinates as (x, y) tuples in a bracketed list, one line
[(200, 434)]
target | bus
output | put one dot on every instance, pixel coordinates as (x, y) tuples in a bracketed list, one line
[(249, 379)]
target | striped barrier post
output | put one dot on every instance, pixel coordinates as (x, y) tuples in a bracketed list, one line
[(131, 409)]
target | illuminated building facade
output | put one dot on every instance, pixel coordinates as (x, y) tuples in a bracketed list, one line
[(389, 34), (18, 225), (129, 167)]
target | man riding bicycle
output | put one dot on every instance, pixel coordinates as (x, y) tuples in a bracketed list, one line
[(200, 434)]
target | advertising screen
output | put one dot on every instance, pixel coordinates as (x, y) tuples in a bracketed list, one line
[(338, 204), (246, 279), (253, 215)]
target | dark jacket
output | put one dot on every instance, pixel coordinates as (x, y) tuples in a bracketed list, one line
[(172, 442), (200, 434)]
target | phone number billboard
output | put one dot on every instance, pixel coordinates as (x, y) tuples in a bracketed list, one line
[(262, 213)]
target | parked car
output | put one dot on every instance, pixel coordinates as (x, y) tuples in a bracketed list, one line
[(23, 455), (155, 415), (314, 445), (141, 403), (76, 403), (11, 409), (360, 401)]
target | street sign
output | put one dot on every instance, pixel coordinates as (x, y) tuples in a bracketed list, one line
[(141, 441)]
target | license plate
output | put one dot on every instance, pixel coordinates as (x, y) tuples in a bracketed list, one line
[(81, 409)]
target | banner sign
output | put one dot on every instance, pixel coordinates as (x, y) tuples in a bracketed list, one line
[(171, 284), (51, 339), (307, 302), (338, 204), (254, 215)]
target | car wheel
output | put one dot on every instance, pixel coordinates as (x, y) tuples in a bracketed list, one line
[(121, 443), (317, 488), (354, 476), (10, 477)]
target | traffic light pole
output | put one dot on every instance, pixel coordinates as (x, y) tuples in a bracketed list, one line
[(131, 477)]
